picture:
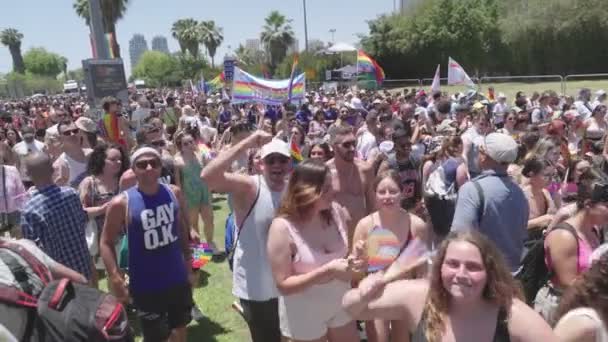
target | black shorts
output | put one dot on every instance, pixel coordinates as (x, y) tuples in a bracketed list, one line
[(161, 312)]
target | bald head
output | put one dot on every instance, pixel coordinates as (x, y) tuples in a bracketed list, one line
[(39, 167)]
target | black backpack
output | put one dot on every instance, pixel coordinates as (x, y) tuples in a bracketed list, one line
[(534, 273), (62, 310)]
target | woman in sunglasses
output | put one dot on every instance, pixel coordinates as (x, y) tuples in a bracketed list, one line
[(105, 166), (570, 243)]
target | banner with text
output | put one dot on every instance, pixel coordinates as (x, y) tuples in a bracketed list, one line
[(248, 88)]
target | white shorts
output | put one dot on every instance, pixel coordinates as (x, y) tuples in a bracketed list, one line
[(307, 315)]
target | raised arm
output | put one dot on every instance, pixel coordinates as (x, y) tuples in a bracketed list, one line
[(216, 174)]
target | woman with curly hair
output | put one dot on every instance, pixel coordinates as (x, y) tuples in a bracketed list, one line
[(471, 296), (584, 307)]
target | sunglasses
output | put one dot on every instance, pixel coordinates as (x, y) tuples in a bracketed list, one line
[(276, 160), (385, 118), (70, 132), (143, 164), (158, 143), (348, 144)]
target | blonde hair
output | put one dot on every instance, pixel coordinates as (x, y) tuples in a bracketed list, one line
[(500, 288)]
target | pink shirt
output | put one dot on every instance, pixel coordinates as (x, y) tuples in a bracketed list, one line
[(16, 196), (306, 258)]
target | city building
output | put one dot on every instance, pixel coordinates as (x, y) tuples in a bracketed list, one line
[(159, 43), (137, 46), (253, 44), (295, 47)]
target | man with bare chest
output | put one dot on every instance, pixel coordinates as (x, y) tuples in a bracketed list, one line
[(350, 177)]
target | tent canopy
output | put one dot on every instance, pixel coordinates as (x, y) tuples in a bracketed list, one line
[(341, 47)]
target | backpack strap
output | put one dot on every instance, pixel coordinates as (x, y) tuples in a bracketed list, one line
[(482, 201), (240, 226), (568, 227)]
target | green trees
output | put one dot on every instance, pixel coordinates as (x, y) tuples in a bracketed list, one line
[(187, 34), (492, 37), (12, 38), (211, 37), (111, 10), (277, 36), (157, 69), (41, 62)]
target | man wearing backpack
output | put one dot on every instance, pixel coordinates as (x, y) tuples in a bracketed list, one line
[(492, 202), (159, 254), (17, 272)]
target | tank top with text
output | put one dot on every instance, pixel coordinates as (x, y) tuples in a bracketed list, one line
[(156, 261)]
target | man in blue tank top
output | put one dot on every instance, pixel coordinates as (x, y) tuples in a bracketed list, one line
[(159, 254)]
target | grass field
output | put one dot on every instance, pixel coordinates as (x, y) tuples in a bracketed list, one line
[(213, 295), (510, 88)]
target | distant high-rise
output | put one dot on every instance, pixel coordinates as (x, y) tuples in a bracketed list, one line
[(406, 5), (295, 47), (159, 43), (253, 44), (137, 46)]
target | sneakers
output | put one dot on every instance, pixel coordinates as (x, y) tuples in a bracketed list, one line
[(196, 313)]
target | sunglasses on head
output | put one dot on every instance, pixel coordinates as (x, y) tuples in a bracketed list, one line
[(70, 132), (270, 160), (143, 164)]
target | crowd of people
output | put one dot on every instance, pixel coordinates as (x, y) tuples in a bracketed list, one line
[(466, 189)]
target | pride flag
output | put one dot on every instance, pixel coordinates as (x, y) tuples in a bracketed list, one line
[(369, 69), (248, 88), (109, 128), (294, 66), (296, 155), (216, 84)]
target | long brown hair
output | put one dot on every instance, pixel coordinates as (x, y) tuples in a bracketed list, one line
[(500, 287), (591, 290), (304, 189)]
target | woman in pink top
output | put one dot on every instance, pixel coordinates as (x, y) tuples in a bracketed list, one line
[(307, 248), (568, 246)]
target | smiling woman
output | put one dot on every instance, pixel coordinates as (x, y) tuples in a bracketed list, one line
[(470, 286)]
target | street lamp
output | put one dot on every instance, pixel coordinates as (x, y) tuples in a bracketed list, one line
[(333, 32), (305, 27)]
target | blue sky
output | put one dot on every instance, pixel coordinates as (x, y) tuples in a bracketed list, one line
[(54, 25)]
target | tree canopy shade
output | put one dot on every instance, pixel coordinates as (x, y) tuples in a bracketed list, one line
[(12, 38), (41, 62), (492, 37)]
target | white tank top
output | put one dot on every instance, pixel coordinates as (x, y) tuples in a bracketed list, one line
[(75, 167), (252, 276)]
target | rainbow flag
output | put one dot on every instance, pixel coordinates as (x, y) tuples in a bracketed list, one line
[(369, 69), (216, 84), (108, 128), (294, 66), (248, 88), (296, 155)]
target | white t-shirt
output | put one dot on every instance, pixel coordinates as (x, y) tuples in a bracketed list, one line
[(365, 142), (138, 117), (499, 111), (75, 167)]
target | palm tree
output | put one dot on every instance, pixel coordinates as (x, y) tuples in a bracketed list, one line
[(12, 38), (277, 36), (187, 34), (111, 11), (212, 37)]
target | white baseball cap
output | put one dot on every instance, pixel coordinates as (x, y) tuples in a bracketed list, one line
[(275, 146), (501, 148)]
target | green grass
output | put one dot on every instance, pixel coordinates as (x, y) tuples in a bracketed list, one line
[(213, 295)]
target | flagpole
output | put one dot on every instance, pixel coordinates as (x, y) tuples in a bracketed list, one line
[(357, 73)]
